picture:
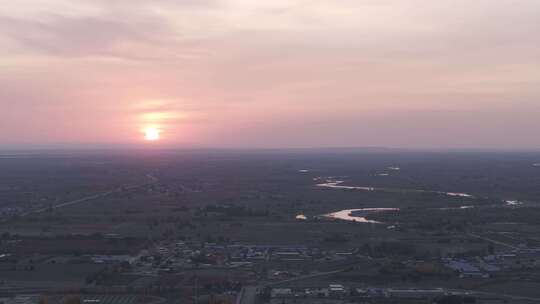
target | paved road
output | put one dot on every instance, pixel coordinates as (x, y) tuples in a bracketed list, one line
[(493, 241), (247, 295), (493, 294), (304, 277), (152, 180)]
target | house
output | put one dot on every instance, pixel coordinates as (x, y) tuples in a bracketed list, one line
[(414, 293), (336, 290), (281, 293)]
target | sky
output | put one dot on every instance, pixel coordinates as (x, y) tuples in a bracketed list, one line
[(271, 74)]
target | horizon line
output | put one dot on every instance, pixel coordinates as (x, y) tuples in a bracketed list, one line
[(104, 147)]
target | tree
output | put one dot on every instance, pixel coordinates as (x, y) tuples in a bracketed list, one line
[(43, 300), (71, 299)]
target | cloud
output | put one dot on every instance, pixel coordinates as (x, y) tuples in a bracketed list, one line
[(207, 68), (81, 36), (130, 30)]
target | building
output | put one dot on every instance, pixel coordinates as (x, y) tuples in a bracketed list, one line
[(336, 290), (281, 293), (414, 293)]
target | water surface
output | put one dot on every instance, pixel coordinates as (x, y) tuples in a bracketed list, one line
[(358, 215)]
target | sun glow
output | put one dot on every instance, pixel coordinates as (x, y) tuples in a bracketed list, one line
[(151, 134)]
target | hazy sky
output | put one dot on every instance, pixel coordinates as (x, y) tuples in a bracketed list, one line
[(271, 73)]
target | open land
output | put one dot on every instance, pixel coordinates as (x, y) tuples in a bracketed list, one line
[(252, 227)]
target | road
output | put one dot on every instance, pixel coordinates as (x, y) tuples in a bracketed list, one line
[(492, 294), (152, 180), (304, 277), (247, 295), (493, 241)]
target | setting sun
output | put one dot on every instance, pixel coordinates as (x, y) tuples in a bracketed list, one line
[(151, 134)]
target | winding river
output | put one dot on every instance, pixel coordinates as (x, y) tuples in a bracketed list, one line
[(359, 215)]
